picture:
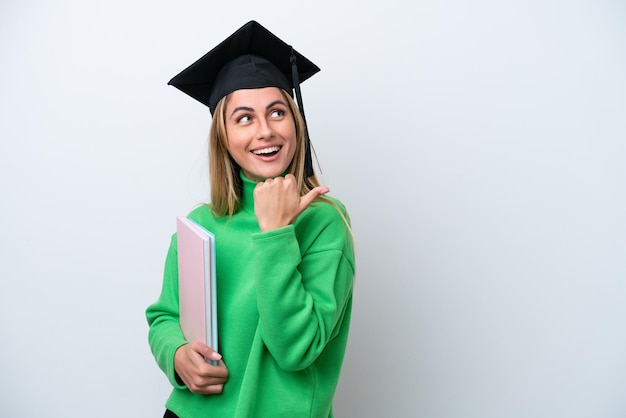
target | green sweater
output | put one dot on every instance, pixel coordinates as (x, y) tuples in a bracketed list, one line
[(284, 303)]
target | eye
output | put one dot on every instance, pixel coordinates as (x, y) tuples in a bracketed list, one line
[(244, 119), (277, 113)]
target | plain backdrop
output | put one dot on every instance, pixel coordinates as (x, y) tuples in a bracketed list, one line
[(479, 147)]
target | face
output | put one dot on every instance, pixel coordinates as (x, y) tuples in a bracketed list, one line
[(261, 132)]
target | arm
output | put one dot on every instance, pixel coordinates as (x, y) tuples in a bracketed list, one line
[(183, 363), (165, 335), (304, 274)]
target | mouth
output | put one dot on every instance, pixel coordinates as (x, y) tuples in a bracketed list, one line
[(266, 152)]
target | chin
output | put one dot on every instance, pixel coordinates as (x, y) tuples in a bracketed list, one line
[(270, 173), (260, 176)]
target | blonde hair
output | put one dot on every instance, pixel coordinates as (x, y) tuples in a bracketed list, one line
[(226, 185)]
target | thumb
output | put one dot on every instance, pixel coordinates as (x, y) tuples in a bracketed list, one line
[(306, 200), (206, 351)]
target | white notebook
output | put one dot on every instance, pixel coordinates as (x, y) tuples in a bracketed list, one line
[(196, 282)]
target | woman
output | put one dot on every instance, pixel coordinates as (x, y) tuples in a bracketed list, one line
[(285, 261)]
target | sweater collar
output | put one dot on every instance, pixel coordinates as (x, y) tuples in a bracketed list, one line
[(247, 195)]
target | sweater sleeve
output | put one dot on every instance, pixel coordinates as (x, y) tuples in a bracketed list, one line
[(304, 283), (165, 335)]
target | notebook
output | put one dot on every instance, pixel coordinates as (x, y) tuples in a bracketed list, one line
[(196, 282)]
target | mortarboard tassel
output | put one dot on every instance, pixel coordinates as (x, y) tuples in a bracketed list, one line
[(308, 161)]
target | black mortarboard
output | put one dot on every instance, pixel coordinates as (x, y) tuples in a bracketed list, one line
[(250, 58)]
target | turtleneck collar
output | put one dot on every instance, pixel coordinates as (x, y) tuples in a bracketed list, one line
[(247, 195)]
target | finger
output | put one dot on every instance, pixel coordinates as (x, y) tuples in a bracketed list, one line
[(214, 389), (207, 389), (306, 200), (205, 351)]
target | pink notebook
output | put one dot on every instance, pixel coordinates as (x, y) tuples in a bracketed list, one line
[(196, 282)]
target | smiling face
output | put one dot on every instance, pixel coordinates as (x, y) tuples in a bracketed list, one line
[(261, 132)]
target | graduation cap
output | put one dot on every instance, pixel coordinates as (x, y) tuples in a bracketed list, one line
[(252, 57)]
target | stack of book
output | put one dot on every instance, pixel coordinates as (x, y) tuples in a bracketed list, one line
[(196, 282)]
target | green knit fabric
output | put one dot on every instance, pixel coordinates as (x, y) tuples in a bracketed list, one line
[(284, 305)]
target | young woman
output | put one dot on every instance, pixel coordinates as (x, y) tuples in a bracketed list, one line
[(285, 260)]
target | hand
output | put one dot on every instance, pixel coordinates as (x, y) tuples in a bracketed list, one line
[(277, 202), (196, 373)]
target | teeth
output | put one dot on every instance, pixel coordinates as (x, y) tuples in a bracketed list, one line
[(266, 150)]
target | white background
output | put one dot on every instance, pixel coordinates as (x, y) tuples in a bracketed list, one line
[(479, 147)]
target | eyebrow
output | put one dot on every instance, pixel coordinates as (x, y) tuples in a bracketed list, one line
[(241, 108), (275, 102), (249, 109)]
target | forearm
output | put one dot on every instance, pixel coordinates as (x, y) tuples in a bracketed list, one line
[(165, 335), (300, 300), (165, 338)]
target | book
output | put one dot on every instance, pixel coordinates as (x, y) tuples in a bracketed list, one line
[(197, 282)]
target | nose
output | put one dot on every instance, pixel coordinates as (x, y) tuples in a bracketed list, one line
[(264, 129)]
